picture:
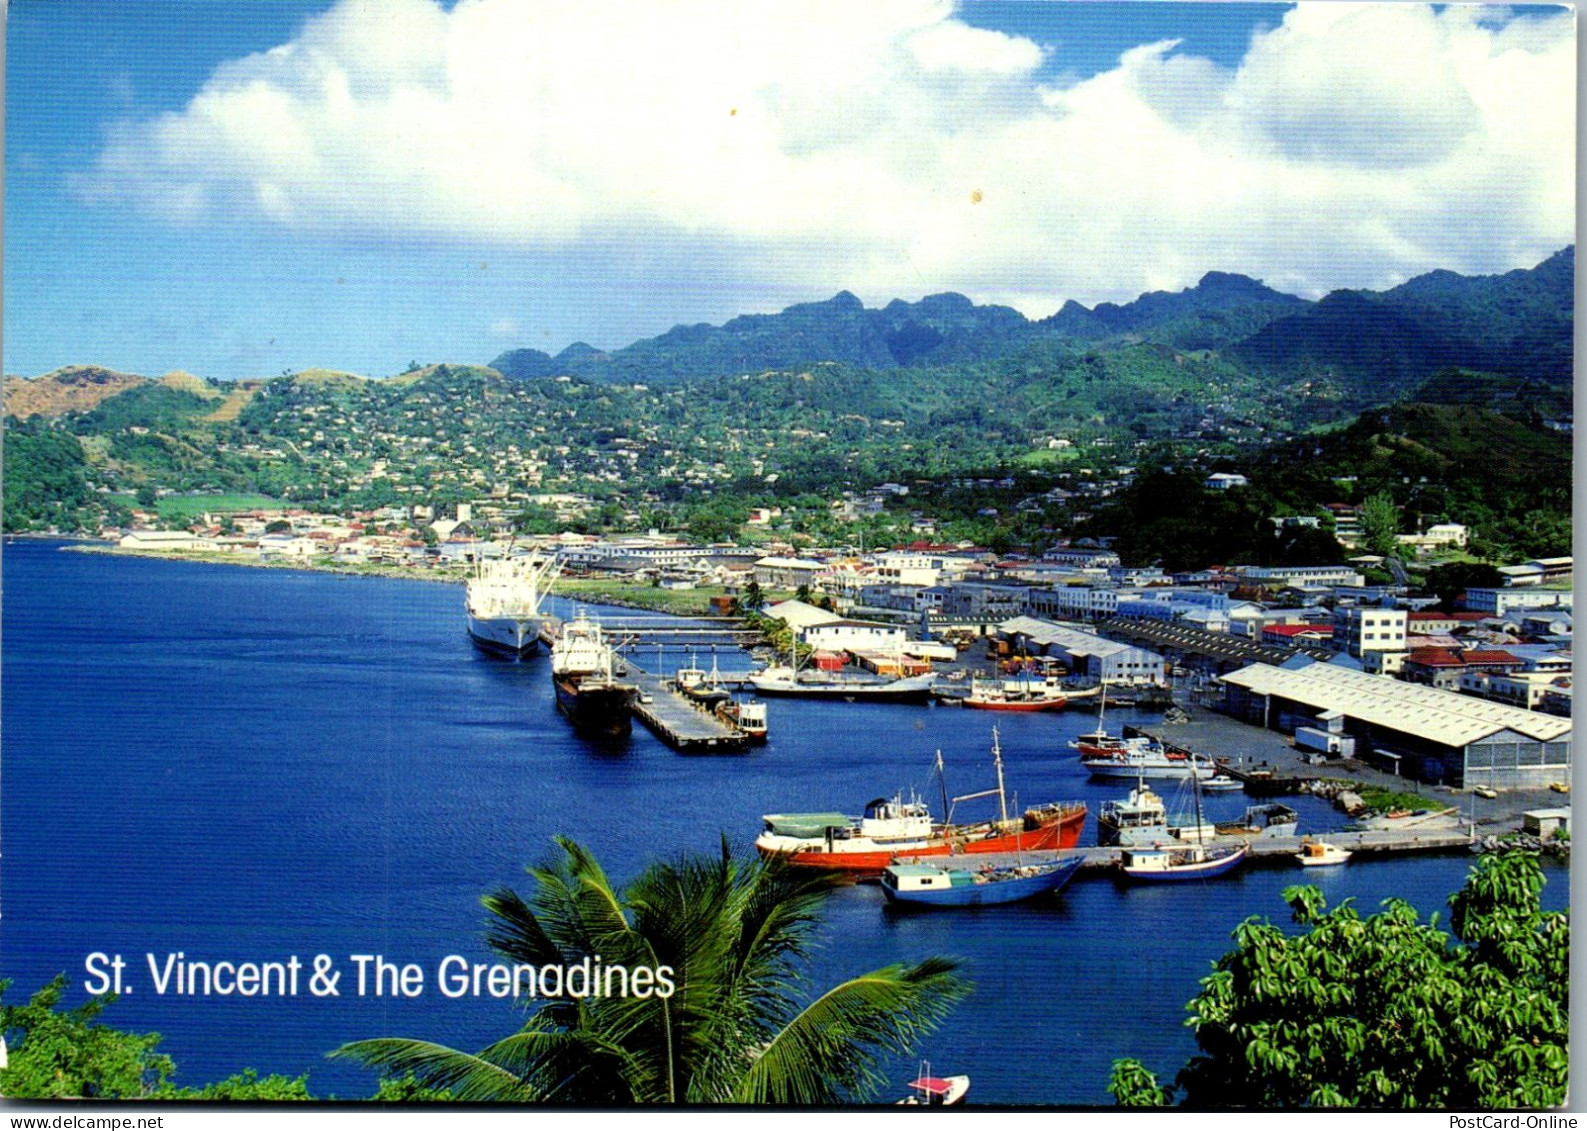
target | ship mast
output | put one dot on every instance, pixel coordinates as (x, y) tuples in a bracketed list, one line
[(997, 760), (942, 780)]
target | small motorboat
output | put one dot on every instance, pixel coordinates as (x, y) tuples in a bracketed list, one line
[(936, 1091), (1316, 853), (1221, 783)]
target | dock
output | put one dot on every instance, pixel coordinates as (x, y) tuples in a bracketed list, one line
[(1267, 850), (678, 721)]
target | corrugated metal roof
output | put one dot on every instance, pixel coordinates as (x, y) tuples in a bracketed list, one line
[(1445, 717), (1070, 640)]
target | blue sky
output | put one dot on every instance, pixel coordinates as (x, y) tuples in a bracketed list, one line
[(239, 190)]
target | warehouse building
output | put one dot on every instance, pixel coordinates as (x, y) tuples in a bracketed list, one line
[(1083, 652), (1420, 732)]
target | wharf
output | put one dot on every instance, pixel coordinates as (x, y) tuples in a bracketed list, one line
[(1368, 844), (678, 721)]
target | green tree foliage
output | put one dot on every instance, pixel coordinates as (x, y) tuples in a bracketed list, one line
[(1386, 1011), (1450, 581), (56, 1054), (246, 1087), (45, 477), (1380, 522), (736, 935)]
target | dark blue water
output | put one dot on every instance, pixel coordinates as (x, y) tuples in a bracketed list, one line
[(249, 764)]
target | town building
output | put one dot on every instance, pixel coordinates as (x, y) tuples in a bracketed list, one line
[(1083, 652), (1421, 732), (1362, 629)]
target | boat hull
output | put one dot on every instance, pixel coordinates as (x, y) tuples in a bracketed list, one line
[(994, 891), (1197, 870), (1109, 770), (852, 693), (1062, 831), (511, 638), (605, 709), (1007, 705)]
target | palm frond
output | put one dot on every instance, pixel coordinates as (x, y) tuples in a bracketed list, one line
[(827, 1054), (465, 1075)]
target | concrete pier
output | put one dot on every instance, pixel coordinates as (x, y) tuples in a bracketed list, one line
[(678, 721)]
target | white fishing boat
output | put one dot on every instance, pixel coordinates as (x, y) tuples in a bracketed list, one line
[(1318, 854), (502, 602), (1144, 758)]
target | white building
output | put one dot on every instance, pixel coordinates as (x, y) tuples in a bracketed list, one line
[(1300, 575), (1074, 602), (1367, 628), (855, 636), (1085, 653)]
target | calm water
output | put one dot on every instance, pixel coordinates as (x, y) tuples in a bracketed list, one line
[(248, 764)]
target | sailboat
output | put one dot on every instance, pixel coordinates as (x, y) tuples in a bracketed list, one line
[(1099, 742), (1183, 862)]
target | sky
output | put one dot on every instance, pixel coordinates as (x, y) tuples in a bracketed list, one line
[(241, 190)]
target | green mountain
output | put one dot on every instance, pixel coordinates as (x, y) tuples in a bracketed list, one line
[(1378, 347), (938, 330)]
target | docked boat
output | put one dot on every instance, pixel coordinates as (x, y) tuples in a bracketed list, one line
[(1140, 819), (936, 1091), (1144, 758), (705, 689), (1317, 854), (1045, 694), (1191, 862), (502, 603), (929, 885), (785, 681), (748, 716), (1221, 783), (1198, 860), (1270, 819), (1096, 743), (894, 827), (584, 672)]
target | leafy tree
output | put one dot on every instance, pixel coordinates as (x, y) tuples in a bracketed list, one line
[(753, 598), (734, 934), (1380, 522), (246, 1087), (55, 1054), (278, 526), (1385, 1011), (1450, 581), (407, 1090)]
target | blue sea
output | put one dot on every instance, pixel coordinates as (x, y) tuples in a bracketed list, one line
[(249, 764)]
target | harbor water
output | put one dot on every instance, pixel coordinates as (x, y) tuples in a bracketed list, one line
[(242, 764)]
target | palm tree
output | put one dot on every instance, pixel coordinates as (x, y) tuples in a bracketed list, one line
[(735, 935)]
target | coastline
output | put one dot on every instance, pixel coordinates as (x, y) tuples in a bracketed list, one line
[(622, 596)]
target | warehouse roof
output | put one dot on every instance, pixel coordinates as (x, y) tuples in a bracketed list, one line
[(1070, 640), (1445, 717)]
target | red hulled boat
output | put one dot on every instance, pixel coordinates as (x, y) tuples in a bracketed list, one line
[(894, 827)]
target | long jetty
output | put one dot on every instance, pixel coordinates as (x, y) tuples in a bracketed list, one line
[(680, 722)]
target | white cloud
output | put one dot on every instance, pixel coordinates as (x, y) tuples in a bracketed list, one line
[(845, 145)]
